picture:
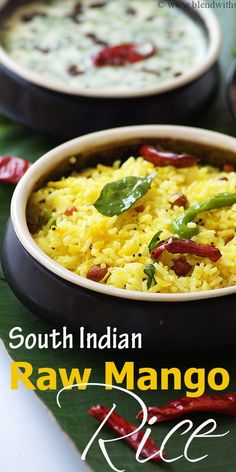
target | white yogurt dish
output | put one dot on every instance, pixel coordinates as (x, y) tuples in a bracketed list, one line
[(56, 43)]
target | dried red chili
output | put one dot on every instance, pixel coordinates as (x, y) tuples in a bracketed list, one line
[(96, 273), (180, 201), (12, 169), (70, 211), (139, 208), (122, 54), (181, 267), (223, 405), (186, 246), (122, 427), (228, 168), (165, 158)]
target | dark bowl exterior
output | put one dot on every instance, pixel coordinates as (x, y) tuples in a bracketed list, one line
[(186, 326), (231, 89), (70, 116)]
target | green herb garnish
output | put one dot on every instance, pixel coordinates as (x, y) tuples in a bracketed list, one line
[(154, 241), (117, 197), (44, 217), (150, 270), (53, 222)]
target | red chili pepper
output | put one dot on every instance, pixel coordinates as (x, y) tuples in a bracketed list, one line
[(186, 246), (12, 169), (96, 273), (70, 211), (165, 158), (139, 208), (122, 427), (181, 267), (122, 54), (224, 405), (180, 201), (228, 168)]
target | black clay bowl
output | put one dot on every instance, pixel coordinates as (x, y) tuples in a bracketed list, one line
[(231, 89), (180, 321), (44, 105)]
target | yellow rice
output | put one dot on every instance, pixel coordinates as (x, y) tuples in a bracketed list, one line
[(88, 238)]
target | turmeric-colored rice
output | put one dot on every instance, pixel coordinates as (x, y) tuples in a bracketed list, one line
[(87, 238)]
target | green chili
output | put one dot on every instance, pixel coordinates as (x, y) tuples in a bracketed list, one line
[(180, 225)]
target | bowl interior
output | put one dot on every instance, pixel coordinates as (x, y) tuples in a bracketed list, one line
[(107, 153), (105, 147), (205, 18)]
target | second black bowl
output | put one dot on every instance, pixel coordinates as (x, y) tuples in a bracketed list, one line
[(61, 110)]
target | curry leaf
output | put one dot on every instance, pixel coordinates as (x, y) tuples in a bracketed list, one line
[(150, 270), (44, 217), (53, 222), (117, 197), (154, 241)]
